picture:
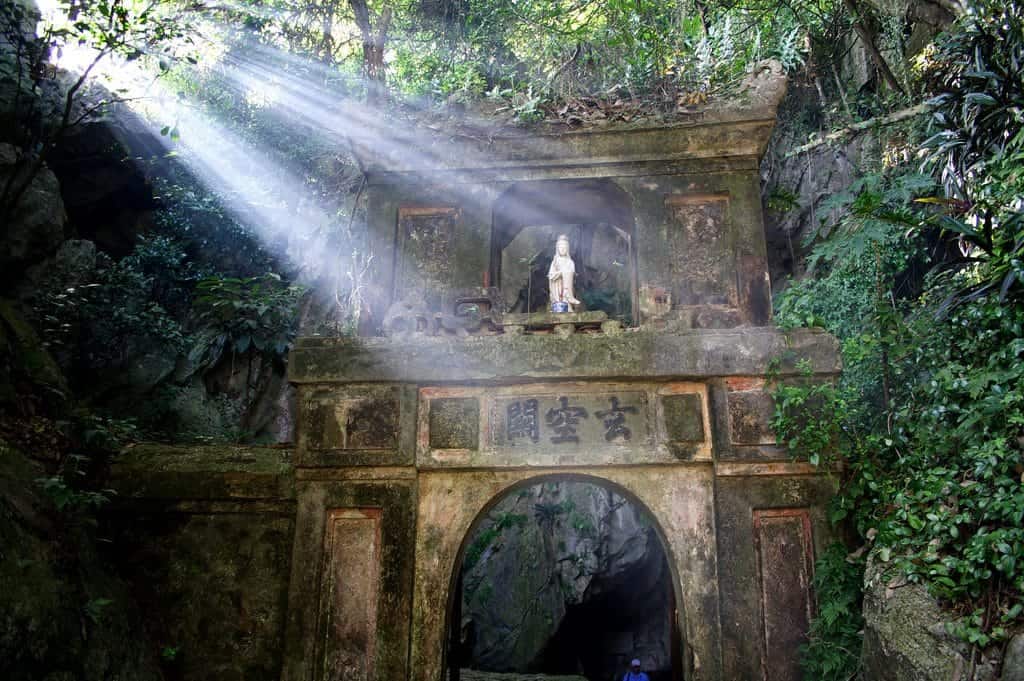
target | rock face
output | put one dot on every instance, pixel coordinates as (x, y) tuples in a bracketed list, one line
[(797, 190), (1013, 660), (905, 636), (36, 227), (106, 193), (63, 616), (566, 578)]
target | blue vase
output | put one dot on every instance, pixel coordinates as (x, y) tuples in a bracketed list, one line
[(559, 306)]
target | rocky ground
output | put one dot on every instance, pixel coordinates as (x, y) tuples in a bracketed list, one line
[(474, 675)]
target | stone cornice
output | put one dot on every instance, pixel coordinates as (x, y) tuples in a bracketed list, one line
[(501, 359)]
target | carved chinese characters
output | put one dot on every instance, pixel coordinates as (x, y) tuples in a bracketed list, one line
[(522, 421), (569, 420), (576, 423)]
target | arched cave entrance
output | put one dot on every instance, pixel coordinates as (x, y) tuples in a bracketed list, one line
[(563, 576), (597, 217)]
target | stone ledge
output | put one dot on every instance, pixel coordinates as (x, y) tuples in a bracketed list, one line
[(231, 472), (634, 354)]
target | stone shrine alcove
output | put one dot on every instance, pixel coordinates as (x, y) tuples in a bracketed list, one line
[(597, 217)]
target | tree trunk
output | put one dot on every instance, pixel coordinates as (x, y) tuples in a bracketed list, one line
[(866, 37), (374, 40)]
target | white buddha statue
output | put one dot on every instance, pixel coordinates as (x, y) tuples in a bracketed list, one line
[(561, 274)]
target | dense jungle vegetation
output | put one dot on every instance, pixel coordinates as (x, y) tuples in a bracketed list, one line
[(916, 263)]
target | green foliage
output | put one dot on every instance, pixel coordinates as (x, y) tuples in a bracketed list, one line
[(781, 199), (929, 414), (835, 636), (235, 315), (813, 437), (486, 536), (132, 303), (583, 524), (978, 149), (69, 490), (956, 521), (95, 609)]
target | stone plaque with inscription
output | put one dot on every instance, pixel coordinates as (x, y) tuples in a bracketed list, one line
[(425, 255), (570, 424), (570, 421)]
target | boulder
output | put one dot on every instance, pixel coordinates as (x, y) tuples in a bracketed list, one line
[(15, 83), (906, 637), (25, 365), (73, 265), (106, 192), (37, 223), (1013, 660)]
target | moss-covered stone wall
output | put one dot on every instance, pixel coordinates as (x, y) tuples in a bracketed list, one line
[(203, 536)]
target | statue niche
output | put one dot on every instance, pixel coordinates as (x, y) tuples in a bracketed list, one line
[(595, 217)]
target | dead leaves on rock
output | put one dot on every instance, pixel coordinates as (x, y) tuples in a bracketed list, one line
[(597, 112)]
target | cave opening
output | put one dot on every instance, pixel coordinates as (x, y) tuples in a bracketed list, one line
[(567, 579)]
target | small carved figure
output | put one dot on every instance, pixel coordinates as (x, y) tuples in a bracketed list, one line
[(561, 275)]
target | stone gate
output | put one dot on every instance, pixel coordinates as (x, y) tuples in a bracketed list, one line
[(406, 440), (657, 389)]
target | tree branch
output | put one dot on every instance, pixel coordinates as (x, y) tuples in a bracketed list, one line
[(878, 122)]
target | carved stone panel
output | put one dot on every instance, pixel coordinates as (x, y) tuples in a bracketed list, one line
[(702, 262), (750, 412), (454, 423), (782, 538), (425, 253), (364, 419), (350, 589), (563, 424), (685, 428)]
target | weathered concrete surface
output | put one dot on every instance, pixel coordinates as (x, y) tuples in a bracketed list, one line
[(357, 425), (212, 583), (746, 584), (380, 626), (697, 237), (203, 535), (512, 425), (638, 354), (736, 126), (181, 473), (678, 498), (350, 592)]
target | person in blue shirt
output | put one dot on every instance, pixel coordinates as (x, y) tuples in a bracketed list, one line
[(634, 673)]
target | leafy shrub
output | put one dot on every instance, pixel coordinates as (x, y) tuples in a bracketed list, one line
[(930, 411), (835, 636), (235, 315)]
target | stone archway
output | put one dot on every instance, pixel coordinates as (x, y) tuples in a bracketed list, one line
[(603, 620), (679, 499)]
